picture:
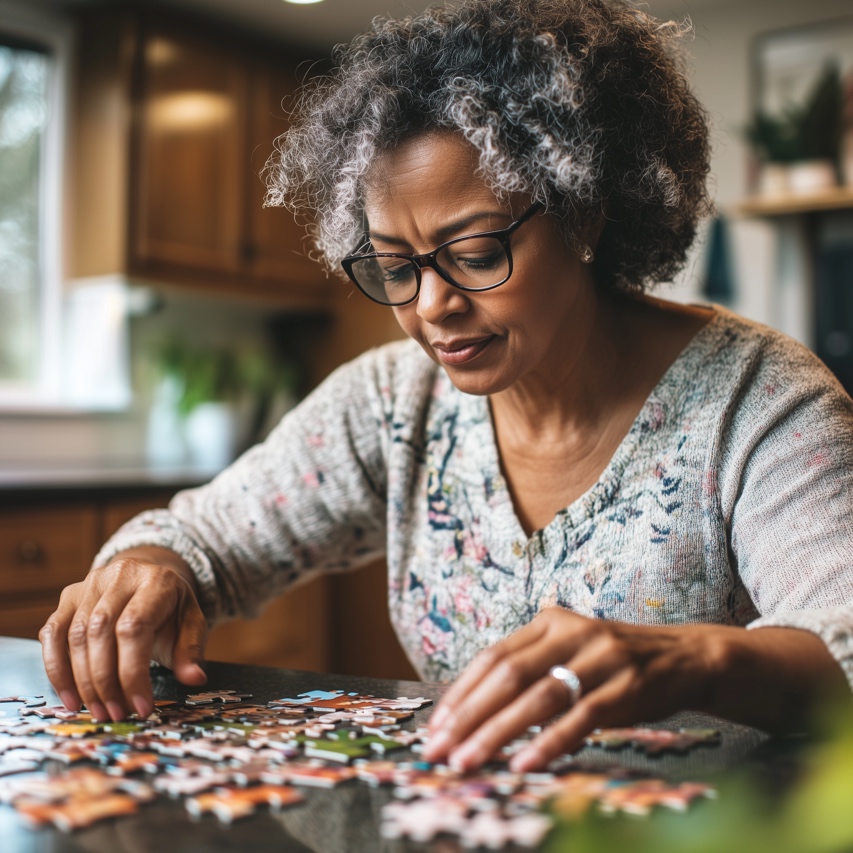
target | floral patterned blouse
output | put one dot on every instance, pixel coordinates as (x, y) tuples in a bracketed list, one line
[(729, 501)]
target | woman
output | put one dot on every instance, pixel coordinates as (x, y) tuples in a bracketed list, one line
[(584, 494)]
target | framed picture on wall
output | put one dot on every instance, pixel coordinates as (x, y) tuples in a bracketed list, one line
[(802, 125), (790, 62)]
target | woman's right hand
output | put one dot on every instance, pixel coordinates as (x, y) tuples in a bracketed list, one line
[(98, 644)]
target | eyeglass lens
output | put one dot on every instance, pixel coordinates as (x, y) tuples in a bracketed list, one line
[(474, 263)]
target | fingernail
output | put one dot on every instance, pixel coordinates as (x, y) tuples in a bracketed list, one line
[(438, 717), (143, 706), (468, 755), (70, 700), (437, 746), (98, 712), (116, 711), (527, 759)]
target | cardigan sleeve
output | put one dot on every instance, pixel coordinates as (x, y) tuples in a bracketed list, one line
[(786, 483), (309, 498)]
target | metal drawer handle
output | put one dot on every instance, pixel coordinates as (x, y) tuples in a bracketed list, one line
[(30, 552)]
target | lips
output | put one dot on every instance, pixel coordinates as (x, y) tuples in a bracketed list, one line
[(460, 350)]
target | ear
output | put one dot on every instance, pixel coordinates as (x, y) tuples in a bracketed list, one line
[(592, 229)]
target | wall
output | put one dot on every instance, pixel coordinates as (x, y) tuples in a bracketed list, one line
[(720, 61), (119, 438)]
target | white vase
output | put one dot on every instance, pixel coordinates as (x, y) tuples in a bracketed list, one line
[(210, 432), (811, 176), (164, 442), (847, 157), (773, 179)]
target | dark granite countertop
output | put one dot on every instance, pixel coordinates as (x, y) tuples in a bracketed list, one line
[(342, 820), (56, 481)]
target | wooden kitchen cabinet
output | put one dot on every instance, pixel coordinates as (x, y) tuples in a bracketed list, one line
[(173, 122), (48, 542), (277, 247), (41, 552), (189, 172)]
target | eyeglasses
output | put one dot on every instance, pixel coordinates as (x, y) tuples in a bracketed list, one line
[(474, 262)]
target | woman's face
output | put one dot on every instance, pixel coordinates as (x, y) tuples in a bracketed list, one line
[(530, 329)]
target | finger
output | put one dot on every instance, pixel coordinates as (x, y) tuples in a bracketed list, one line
[(54, 645), (78, 649), (611, 704), (542, 700), (599, 659), (546, 696), (481, 666), (509, 679), (152, 606), (554, 636), (103, 651), (188, 654)]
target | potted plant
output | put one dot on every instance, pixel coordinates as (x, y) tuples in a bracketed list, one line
[(799, 148), (219, 396)]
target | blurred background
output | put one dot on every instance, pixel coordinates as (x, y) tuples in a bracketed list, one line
[(156, 320)]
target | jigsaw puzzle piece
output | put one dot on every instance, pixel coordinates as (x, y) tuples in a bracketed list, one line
[(230, 804), (78, 812), (309, 774), (423, 820)]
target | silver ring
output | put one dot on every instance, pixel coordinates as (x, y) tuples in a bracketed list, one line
[(569, 679)]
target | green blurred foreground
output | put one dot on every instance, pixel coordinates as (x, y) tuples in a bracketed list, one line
[(816, 816)]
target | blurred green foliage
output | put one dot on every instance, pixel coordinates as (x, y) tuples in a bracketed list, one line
[(807, 131), (210, 374), (816, 816)]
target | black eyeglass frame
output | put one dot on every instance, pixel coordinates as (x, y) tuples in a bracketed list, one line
[(428, 259)]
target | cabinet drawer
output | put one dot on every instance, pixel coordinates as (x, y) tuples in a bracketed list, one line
[(46, 549), (26, 621)]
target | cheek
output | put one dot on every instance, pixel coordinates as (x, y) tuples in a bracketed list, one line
[(407, 318)]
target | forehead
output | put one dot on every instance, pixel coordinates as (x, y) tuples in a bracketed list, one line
[(436, 167)]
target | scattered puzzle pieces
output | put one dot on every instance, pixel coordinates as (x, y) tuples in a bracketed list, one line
[(229, 758), (224, 696), (653, 741), (29, 701)]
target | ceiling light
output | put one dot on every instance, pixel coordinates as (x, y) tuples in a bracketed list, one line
[(303, 2)]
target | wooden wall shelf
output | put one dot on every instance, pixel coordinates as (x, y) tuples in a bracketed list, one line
[(837, 198)]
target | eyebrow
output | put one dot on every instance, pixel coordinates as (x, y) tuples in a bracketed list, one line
[(446, 231)]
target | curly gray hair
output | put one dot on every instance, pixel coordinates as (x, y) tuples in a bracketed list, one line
[(580, 104)]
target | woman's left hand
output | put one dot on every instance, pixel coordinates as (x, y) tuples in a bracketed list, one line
[(628, 673)]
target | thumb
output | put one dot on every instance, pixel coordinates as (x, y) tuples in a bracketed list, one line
[(188, 653)]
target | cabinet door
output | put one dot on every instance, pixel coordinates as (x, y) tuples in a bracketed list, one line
[(117, 512), (189, 143), (43, 550), (277, 247)]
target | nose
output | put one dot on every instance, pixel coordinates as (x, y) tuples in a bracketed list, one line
[(438, 299)]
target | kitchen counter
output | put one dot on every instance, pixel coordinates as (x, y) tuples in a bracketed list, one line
[(33, 484), (342, 819)]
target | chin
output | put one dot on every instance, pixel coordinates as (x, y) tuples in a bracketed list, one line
[(478, 384)]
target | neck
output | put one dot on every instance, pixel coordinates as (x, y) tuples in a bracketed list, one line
[(577, 391)]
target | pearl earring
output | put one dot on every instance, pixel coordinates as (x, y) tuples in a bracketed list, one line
[(587, 255)]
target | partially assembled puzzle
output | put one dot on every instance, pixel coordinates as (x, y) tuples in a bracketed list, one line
[(227, 757)]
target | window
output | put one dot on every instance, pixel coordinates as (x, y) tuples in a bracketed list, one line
[(24, 75), (33, 59)]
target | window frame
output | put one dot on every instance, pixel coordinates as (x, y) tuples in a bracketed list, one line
[(54, 34)]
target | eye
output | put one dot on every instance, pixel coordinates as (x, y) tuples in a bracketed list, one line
[(396, 271), (478, 255), (479, 262)]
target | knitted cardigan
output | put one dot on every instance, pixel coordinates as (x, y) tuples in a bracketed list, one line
[(729, 501)]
